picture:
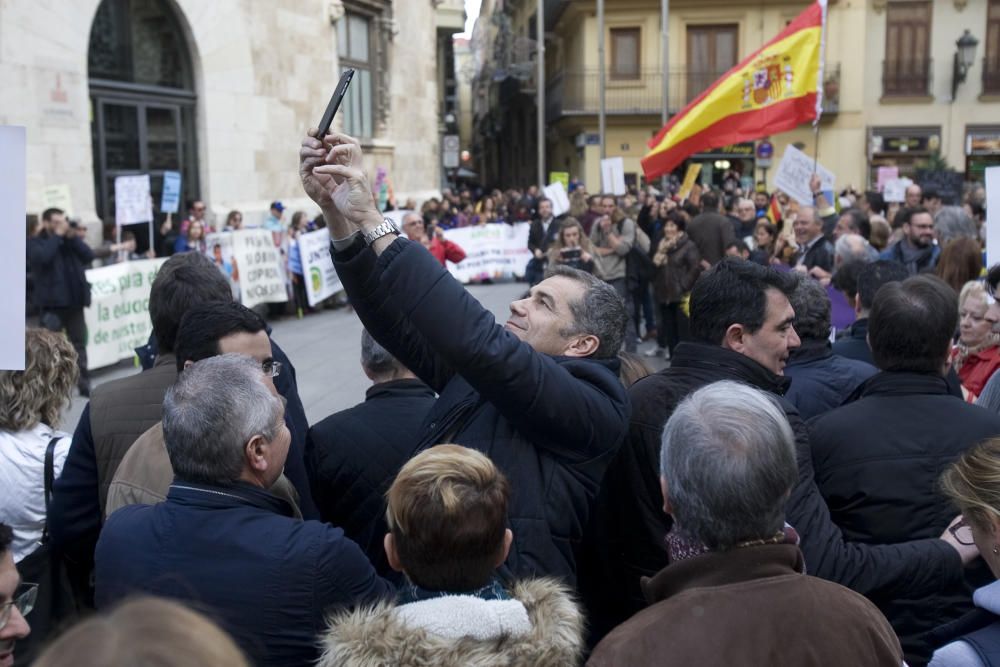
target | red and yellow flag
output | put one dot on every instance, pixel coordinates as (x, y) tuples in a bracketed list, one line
[(772, 90)]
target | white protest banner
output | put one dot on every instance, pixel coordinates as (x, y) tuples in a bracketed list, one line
[(58, 196), (317, 266), (262, 277), (13, 272), (794, 172), (556, 193), (170, 200), (613, 176), (992, 215), (496, 251), (894, 190), (118, 316), (132, 201)]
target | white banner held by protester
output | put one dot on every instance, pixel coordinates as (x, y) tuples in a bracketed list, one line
[(556, 193), (262, 278), (495, 251), (794, 172), (321, 278), (13, 272), (58, 196), (992, 215), (894, 190), (613, 176), (118, 316), (132, 201)]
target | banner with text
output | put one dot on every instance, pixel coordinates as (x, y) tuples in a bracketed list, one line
[(794, 172), (494, 251), (118, 316), (317, 266), (261, 274)]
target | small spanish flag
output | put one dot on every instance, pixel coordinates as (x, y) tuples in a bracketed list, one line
[(774, 212), (772, 90)]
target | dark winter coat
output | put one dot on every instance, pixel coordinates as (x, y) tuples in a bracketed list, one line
[(820, 254), (711, 232), (676, 277), (551, 424), (822, 381), (58, 267)]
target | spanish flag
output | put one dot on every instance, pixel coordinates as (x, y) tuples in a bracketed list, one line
[(772, 90)]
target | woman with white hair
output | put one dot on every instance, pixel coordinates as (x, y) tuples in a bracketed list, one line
[(977, 355)]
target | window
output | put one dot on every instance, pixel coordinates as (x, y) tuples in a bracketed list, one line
[(907, 66), (354, 48), (711, 52), (991, 63), (625, 53)]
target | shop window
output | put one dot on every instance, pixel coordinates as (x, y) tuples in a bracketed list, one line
[(625, 58), (711, 52), (907, 65), (991, 63), (354, 49)]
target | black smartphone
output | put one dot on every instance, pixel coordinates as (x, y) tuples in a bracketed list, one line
[(331, 108)]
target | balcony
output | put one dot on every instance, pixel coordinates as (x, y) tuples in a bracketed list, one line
[(906, 78), (991, 76)]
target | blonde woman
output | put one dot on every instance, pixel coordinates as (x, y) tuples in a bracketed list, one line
[(977, 355)]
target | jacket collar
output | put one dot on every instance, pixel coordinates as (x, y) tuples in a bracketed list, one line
[(899, 383), (859, 329), (722, 568), (410, 387), (238, 494), (718, 359), (164, 359), (812, 350)]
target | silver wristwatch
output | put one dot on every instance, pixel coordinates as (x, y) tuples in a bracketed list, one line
[(387, 227)]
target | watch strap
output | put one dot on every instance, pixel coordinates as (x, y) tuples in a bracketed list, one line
[(387, 226)]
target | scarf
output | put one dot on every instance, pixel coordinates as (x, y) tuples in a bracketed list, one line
[(413, 593), (681, 547)]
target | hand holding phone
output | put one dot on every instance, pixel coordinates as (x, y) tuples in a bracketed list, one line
[(331, 108)]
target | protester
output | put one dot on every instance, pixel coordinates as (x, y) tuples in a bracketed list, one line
[(196, 209), (976, 356), (916, 249), (353, 454), (298, 227), (192, 240), (973, 484), (815, 251), (711, 231), (678, 265), (881, 231), (821, 380), (746, 218), (144, 474), (436, 243), (871, 278), (17, 599), (220, 539), (572, 248), (234, 222), (613, 236), (765, 237), (447, 518), (961, 261), (553, 444), (852, 221), (273, 222), (542, 234), (633, 368), (735, 591), (952, 223), (58, 260), (878, 458), (144, 631)]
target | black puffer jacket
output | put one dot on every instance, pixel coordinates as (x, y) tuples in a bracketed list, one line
[(630, 526), (551, 424), (878, 461), (58, 269)]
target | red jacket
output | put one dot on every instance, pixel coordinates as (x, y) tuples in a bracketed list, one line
[(443, 249), (977, 369)]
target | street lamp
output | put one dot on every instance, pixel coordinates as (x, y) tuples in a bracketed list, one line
[(964, 57)]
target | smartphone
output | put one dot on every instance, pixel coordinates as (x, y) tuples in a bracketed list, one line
[(331, 108)]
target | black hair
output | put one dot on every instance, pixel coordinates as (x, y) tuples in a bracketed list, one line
[(845, 279), (930, 192), (859, 221), (740, 246), (6, 538), (184, 281), (993, 277), (912, 323), (873, 276), (734, 291), (49, 212), (203, 326), (709, 201), (678, 219), (876, 202)]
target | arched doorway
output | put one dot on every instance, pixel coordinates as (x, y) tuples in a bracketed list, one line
[(142, 102)]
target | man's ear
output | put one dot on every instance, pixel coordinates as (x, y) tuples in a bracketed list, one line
[(508, 539), (389, 544), (734, 338), (582, 346), (254, 451)]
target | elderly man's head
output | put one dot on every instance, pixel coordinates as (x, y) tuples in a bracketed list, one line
[(745, 210), (727, 465), (913, 195), (851, 248), (952, 222), (413, 226), (852, 221), (807, 225), (223, 422), (378, 364), (571, 313)]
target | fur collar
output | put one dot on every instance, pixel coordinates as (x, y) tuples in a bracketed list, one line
[(541, 626)]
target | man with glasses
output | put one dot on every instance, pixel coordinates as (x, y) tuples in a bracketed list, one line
[(16, 600), (435, 242), (916, 250), (144, 475)]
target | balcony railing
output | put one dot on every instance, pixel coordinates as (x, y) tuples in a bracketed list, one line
[(577, 92), (905, 78), (991, 76)]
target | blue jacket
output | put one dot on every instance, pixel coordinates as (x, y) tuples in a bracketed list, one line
[(58, 270), (236, 553), (551, 424), (821, 380)]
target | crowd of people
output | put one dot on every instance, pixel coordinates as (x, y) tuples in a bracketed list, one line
[(813, 480)]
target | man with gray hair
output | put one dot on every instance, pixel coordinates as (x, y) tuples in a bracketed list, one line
[(220, 540), (353, 455), (852, 247), (727, 467), (952, 222)]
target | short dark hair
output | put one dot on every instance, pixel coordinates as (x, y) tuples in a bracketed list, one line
[(874, 275), (915, 210), (812, 309), (183, 282), (203, 326), (49, 212), (859, 222), (600, 312), (845, 279), (709, 201), (930, 192), (734, 291), (6, 538), (678, 219), (912, 323), (876, 202)]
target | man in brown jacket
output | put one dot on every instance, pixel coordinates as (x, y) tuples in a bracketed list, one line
[(735, 592)]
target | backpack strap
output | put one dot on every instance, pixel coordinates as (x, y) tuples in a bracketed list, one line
[(50, 477)]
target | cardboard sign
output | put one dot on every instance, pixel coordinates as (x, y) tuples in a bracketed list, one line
[(13, 272), (690, 176), (170, 201), (556, 193), (613, 176), (560, 177), (895, 189), (496, 251), (794, 172), (132, 200), (262, 276), (886, 174), (58, 196), (992, 215), (321, 278)]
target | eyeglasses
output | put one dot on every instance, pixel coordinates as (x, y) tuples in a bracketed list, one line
[(271, 368), (962, 532), (24, 600)]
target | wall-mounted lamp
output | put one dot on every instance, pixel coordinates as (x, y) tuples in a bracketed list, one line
[(964, 57)]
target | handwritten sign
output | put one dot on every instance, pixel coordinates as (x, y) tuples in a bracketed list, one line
[(556, 193), (886, 174), (895, 189), (171, 199), (613, 176), (794, 172), (321, 278), (58, 196), (262, 278), (132, 200)]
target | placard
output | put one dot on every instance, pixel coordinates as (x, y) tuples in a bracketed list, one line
[(132, 201), (794, 172), (613, 176), (219, 249), (690, 176), (560, 177), (13, 272), (886, 174), (948, 184), (118, 316), (262, 277), (895, 189), (992, 215), (171, 199), (495, 251), (321, 278), (58, 196), (556, 193)]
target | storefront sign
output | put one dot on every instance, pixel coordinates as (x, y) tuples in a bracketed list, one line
[(982, 143)]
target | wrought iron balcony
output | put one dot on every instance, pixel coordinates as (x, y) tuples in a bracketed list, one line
[(906, 78)]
